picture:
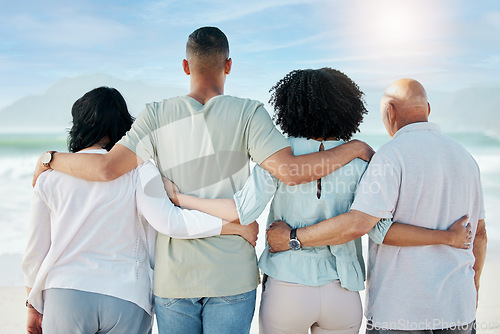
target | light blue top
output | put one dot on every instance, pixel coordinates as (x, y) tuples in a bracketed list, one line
[(299, 206)]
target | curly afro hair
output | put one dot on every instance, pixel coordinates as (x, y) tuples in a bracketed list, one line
[(323, 103)]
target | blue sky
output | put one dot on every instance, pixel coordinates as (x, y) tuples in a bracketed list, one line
[(446, 44)]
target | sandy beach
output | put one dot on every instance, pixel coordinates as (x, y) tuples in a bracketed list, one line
[(13, 311)]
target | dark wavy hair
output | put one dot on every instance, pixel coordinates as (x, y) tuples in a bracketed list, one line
[(323, 103), (100, 113)]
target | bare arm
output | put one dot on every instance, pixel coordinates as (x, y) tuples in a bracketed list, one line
[(248, 232), (292, 170), (33, 318), (333, 231), (222, 208), (93, 167), (479, 250), (457, 235), (354, 224), (337, 230)]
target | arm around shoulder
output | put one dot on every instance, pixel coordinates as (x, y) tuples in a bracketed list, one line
[(293, 170), (96, 167)]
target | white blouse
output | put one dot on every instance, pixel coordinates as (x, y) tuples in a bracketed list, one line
[(91, 236)]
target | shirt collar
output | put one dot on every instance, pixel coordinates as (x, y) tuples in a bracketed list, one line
[(420, 126)]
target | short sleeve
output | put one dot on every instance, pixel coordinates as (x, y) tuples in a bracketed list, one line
[(139, 139), (378, 232), (263, 138), (252, 199), (378, 191)]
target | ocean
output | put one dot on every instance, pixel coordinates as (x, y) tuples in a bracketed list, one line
[(19, 153)]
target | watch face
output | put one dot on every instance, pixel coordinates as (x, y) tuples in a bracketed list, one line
[(294, 244), (46, 158)]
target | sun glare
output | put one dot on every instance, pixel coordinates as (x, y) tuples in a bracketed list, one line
[(396, 24)]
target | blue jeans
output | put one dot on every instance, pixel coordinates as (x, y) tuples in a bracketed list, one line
[(217, 315)]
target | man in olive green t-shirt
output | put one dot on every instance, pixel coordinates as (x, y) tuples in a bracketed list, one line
[(203, 142)]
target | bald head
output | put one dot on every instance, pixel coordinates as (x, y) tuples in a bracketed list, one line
[(404, 102)]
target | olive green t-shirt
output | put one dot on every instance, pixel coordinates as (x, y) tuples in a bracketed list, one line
[(205, 150)]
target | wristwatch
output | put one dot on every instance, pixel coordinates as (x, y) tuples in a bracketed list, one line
[(294, 242), (47, 158)]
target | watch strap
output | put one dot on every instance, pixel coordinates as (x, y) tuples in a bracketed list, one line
[(293, 234)]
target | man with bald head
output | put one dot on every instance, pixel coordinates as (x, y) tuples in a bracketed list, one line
[(422, 178)]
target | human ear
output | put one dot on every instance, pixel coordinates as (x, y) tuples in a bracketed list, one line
[(228, 65), (185, 67), (429, 109), (391, 112)]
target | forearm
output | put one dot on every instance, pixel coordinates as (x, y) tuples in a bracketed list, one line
[(410, 235), (311, 167), (293, 170), (222, 208), (479, 250), (97, 167), (91, 167), (230, 228), (337, 230)]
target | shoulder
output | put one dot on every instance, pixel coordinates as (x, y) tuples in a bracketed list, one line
[(390, 152), (243, 104), (153, 107), (238, 100), (42, 180)]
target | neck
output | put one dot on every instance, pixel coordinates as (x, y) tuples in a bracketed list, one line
[(204, 87), (401, 125), (101, 144), (94, 147), (324, 139)]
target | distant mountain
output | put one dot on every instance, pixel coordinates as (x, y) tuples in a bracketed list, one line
[(52, 110), (474, 109)]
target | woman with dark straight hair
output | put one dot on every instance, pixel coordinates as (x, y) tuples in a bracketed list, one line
[(88, 263)]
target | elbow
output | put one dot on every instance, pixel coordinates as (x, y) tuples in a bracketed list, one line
[(290, 176), (289, 181), (357, 233), (358, 230)]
